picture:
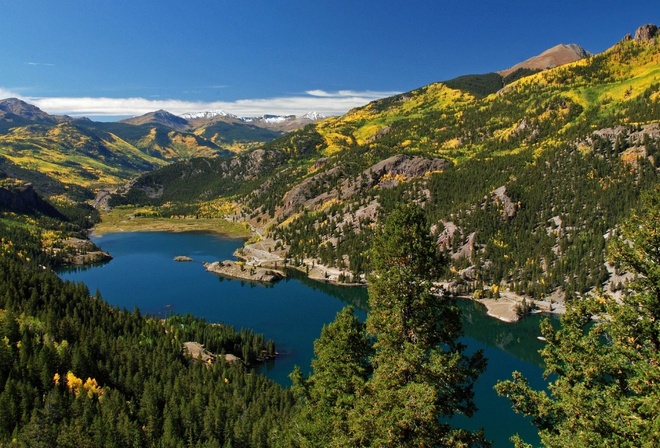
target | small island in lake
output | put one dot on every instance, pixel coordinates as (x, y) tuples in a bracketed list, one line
[(242, 271)]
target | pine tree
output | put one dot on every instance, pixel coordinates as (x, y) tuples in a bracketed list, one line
[(339, 374), (606, 375), (421, 375)]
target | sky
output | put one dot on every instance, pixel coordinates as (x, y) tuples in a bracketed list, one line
[(111, 59)]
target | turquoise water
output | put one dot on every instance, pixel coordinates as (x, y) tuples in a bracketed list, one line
[(292, 313)]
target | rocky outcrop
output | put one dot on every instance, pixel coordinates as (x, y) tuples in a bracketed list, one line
[(501, 199), (646, 33), (467, 249), (409, 166), (446, 237), (315, 190), (197, 353), (382, 132), (634, 138), (79, 252)]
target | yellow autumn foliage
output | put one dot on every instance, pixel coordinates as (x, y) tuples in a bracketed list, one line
[(73, 383), (393, 177), (76, 385)]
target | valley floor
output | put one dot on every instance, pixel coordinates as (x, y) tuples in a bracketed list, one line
[(129, 220)]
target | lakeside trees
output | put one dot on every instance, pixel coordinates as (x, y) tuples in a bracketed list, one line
[(417, 375), (605, 388)]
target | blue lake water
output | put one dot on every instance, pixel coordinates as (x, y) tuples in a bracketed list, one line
[(292, 313)]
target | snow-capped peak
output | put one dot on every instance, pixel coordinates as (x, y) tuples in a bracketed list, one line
[(274, 119), (271, 119), (207, 114), (313, 116)]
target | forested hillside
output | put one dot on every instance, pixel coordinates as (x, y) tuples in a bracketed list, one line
[(522, 185), (75, 372)]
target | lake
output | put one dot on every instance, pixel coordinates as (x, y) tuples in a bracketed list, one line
[(143, 274)]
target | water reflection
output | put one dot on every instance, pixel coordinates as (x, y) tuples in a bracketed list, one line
[(520, 339), (350, 295)]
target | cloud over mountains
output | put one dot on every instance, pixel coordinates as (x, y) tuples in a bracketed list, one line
[(325, 102)]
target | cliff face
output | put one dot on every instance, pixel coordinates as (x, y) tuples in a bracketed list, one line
[(21, 197), (646, 32), (18, 197)]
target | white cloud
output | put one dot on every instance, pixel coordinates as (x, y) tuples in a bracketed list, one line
[(44, 64), (324, 102), (4, 93)]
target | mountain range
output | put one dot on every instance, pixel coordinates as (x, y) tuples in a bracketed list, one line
[(521, 171), (57, 153), (198, 120)]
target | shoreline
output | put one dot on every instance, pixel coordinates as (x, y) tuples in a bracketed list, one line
[(262, 254), (504, 308), (262, 258)]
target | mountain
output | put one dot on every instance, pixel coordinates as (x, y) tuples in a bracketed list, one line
[(485, 84), (160, 117), (521, 186), (278, 123), (553, 57), (208, 115), (225, 129), (15, 112), (285, 123), (59, 154)]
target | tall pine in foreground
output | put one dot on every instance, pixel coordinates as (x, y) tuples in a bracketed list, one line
[(418, 375), (606, 375), (339, 374), (421, 375)]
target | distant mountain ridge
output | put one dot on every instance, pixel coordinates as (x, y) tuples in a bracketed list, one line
[(198, 122), (15, 112), (161, 117), (267, 117)]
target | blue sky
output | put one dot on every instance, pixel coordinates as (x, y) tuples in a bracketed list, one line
[(117, 58)]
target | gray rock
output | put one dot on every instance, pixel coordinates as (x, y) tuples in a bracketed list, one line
[(646, 33)]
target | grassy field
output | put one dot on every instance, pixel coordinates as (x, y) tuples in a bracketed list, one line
[(125, 220)]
